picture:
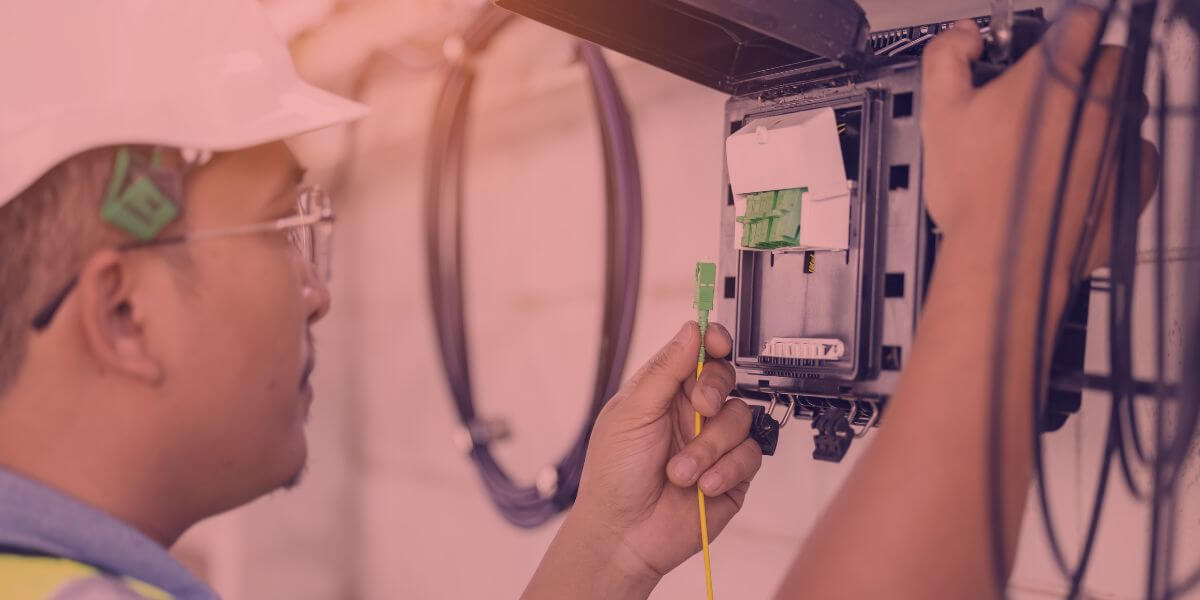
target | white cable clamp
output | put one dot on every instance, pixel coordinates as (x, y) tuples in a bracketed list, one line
[(481, 432), (547, 481)]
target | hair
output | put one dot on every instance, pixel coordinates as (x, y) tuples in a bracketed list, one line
[(47, 232)]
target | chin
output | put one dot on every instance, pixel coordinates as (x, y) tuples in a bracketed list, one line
[(297, 464), (295, 479)]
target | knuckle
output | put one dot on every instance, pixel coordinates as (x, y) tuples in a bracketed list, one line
[(705, 451), (720, 368), (935, 48), (739, 411), (1082, 20), (745, 462), (719, 374), (658, 364), (661, 361), (754, 454), (728, 373), (728, 474)]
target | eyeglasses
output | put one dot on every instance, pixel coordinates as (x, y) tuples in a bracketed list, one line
[(310, 231)]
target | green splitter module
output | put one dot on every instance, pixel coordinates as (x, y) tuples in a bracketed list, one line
[(772, 219)]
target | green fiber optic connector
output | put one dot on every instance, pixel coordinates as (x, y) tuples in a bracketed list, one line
[(757, 222), (787, 225), (706, 286)]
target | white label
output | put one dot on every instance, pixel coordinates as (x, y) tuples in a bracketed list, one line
[(805, 348)]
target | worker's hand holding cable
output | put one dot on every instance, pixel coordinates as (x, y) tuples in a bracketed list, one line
[(970, 178), (636, 516), (940, 518)]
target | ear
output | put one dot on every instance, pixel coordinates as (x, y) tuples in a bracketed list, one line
[(111, 319)]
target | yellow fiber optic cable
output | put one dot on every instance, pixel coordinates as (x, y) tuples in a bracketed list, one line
[(706, 282)]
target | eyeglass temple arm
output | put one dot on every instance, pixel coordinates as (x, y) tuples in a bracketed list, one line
[(43, 318)]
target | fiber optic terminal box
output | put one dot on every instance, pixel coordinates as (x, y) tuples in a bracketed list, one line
[(821, 326)]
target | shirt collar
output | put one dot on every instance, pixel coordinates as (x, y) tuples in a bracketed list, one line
[(37, 517)]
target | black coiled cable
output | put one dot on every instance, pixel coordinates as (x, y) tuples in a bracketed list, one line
[(1015, 218), (526, 505)]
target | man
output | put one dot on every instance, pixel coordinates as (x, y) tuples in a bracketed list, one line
[(161, 262)]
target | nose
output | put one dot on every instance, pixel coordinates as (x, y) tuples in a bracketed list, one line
[(317, 297)]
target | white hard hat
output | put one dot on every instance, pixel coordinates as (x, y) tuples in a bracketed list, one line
[(199, 74)]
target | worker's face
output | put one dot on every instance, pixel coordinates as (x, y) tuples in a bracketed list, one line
[(242, 350)]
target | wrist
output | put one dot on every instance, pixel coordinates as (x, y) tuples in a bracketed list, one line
[(973, 275), (587, 559), (619, 561), (979, 263)]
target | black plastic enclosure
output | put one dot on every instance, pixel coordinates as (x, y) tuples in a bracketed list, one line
[(735, 46)]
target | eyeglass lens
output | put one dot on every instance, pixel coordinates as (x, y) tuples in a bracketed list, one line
[(313, 241)]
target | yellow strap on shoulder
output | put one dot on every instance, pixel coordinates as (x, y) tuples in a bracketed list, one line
[(42, 577)]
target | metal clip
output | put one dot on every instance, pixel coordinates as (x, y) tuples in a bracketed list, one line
[(999, 32), (874, 418), (787, 413)]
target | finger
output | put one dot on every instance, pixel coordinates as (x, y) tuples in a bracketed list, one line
[(946, 66), (740, 464), (721, 434), (718, 377), (717, 341), (1096, 160), (1150, 173), (708, 393), (1143, 106), (654, 385), (1095, 143), (1101, 244), (720, 513), (738, 494), (1105, 76), (1069, 42)]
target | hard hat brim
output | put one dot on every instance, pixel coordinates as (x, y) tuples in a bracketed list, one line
[(299, 108)]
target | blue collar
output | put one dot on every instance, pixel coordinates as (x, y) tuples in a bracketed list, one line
[(36, 517)]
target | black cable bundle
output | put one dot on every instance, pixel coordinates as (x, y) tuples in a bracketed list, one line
[(996, 401), (1171, 453), (525, 505), (1074, 574), (1016, 217), (1123, 440)]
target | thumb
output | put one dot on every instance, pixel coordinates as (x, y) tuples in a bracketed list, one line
[(650, 391), (946, 65)]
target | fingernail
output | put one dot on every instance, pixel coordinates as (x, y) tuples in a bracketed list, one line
[(723, 330), (685, 468), (710, 483)]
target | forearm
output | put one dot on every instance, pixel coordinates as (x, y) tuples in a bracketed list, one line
[(586, 562), (920, 493)]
